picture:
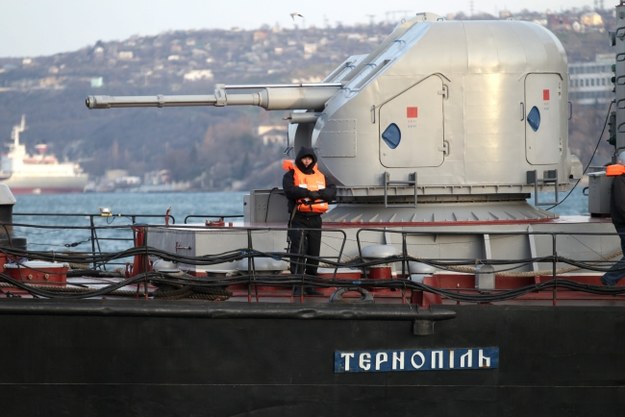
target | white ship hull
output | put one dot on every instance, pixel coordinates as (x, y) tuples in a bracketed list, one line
[(22, 184)]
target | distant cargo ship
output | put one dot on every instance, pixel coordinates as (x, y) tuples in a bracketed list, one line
[(41, 173)]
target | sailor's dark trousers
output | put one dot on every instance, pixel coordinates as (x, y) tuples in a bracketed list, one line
[(305, 239)]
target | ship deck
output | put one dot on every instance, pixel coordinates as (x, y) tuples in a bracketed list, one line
[(550, 263)]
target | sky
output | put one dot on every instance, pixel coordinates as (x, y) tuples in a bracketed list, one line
[(44, 27)]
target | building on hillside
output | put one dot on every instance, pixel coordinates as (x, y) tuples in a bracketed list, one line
[(272, 134), (590, 82), (197, 75), (592, 20)]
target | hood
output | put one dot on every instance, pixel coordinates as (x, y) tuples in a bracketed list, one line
[(305, 151)]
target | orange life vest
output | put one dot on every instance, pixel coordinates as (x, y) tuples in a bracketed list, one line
[(614, 170), (312, 182)]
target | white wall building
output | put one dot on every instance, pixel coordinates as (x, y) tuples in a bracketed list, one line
[(590, 82)]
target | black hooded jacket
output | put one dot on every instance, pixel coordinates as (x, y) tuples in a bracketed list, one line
[(294, 193)]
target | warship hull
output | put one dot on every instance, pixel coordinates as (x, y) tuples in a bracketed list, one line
[(96, 358)]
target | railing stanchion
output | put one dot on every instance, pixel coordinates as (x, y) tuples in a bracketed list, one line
[(92, 232), (553, 268)]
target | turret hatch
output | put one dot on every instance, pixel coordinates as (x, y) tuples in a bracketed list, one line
[(543, 94), (411, 126)]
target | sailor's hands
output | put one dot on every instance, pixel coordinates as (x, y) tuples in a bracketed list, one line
[(315, 195)]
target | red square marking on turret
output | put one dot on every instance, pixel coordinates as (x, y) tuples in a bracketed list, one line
[(412, 112), (546, 94)]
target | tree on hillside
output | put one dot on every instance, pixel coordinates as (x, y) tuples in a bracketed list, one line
[(231, 154)]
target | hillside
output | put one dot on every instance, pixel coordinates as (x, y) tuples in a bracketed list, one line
[(217, 149)]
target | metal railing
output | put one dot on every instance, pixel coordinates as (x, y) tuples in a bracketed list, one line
[(62, 232), (549, 253)]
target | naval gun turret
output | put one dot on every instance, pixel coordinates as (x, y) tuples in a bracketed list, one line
[(453, 113)]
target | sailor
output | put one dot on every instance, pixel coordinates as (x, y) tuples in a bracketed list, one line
[(617, 211), (308, 193)]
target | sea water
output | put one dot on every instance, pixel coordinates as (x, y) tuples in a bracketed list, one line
[(180, 204), (198, 203), (69, 217), (73, 232)]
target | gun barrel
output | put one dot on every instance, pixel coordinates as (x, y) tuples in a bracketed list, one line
[(270, 97), (109, 102)]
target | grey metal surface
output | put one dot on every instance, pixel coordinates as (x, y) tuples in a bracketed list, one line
[(465, 107)]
